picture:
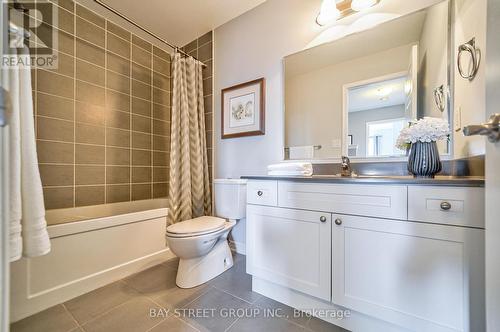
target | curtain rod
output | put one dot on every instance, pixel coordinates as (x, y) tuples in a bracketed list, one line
[(152, 34)]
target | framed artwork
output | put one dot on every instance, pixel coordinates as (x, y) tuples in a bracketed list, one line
[(243, 109)]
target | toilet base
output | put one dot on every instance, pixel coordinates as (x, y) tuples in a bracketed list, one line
[(196, 271)]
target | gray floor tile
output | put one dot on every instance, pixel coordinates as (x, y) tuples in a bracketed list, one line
[(173, 324), (55, 319), (261, 323), (172, 263), (93, 304), (212, 311), (153, 282), (237, 282), (176, 297), (131, 316), (283, 311), (319, 325)]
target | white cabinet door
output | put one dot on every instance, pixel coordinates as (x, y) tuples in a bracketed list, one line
[(423, 277), (291, 248)]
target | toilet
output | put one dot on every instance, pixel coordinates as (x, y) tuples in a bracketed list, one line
[(201, 243)]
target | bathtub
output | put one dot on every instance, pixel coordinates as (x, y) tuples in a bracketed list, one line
[(91, 246)]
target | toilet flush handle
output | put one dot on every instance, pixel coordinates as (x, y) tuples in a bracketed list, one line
[(260, 193)]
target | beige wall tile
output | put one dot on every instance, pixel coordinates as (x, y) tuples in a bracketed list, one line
[(161, 127), (161, 81), (118, 45), (141, 73), (57, 175), (55, 152), (207, 87), (205, 52), (58, 197), (54, 84), (88, 72), (90, 53), (88, 113), (161, 97), (141, 141), (117, 193), (141, 43), (65, 65), (161, 66), (117, 64), (205, 39), (90, 16), (66, 4), (161, 143), (141, 90), (55, 130), (141, 174), (141, 191), (89, 134), (160, 174), (141, 106), (117, 174), (117, 101), (141, 123), (141, 56), (120, 32), (160, 190), (89, 195), (54, 106), (90, 93), (117, 119), (161, 53), (90, 32), (89, 154), (117, 156), (117, 137), (87, 175), (141, 158), (161, 112), (161, 158)]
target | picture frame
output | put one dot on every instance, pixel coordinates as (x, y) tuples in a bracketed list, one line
[(243, 109)]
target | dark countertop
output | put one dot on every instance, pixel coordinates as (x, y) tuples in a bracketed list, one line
[(450, 181)]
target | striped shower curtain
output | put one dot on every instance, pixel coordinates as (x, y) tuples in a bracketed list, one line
[(189, 193)]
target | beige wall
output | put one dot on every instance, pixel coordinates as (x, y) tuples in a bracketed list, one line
[(314, 100), (470, 97), (253, 45), (433, 59)]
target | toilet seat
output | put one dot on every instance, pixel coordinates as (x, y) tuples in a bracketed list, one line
[(195, 227)]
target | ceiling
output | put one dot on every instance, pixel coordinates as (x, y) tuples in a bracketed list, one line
[(182, 21), (377, 95)]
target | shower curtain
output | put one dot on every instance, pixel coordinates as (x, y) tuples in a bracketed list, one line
[(28, 228), (189, 193)]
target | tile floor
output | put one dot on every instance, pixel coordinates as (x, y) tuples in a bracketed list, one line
[(126, 306)]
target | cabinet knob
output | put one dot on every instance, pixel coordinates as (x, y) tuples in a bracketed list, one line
[(445, 206), (322, 219), (260, 193), (338, 221)]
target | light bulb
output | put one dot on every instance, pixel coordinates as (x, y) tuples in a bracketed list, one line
[(328, 12), (359, 5)]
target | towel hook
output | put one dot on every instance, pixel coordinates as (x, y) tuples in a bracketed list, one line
[(475, 54)]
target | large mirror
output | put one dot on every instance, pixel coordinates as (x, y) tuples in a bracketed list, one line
[(353, 95)]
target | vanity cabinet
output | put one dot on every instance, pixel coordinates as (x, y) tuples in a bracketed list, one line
[(291, 248), (423, 276), (407, 255)]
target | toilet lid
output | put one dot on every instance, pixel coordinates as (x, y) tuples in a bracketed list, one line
[(197, 226)]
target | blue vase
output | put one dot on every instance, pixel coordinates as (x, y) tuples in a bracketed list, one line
[(424, 161)]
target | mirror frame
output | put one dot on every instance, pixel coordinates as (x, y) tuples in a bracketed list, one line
[(450, 93)]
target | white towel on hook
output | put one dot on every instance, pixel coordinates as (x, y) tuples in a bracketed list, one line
[(28, 228), (285, 169)]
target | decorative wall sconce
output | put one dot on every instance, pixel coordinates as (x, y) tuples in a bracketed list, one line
[(333, 10)]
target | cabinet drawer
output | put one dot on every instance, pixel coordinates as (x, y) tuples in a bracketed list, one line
[(366, 200), (447, 205), (262, 193)]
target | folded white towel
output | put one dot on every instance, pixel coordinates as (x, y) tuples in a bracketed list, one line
[(290, 173), (290, 167)]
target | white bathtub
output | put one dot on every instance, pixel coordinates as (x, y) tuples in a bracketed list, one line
[(105, 243)]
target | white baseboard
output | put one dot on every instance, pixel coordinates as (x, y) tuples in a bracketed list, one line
[(238, 247)]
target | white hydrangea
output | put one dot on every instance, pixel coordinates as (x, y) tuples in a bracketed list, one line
[(424, 130)]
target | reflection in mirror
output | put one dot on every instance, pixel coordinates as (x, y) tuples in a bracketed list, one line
[(377, 111), (353, 95)]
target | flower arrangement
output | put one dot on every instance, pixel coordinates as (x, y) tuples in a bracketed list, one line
[(425, 130)]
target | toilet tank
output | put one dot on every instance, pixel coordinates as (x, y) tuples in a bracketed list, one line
[(230, 198)]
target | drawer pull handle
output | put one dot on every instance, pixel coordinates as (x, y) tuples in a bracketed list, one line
[(260, 193), (322, 219), (338, 221), (445, 206)]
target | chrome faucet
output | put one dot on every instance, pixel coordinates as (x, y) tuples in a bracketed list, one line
[(346, 167)]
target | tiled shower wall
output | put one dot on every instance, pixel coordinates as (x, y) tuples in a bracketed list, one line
[(102, 118), (202, 49)]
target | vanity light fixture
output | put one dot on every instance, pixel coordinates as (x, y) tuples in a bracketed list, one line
[(332, 10), (328, 12), (359, 5)]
